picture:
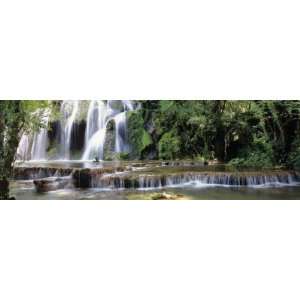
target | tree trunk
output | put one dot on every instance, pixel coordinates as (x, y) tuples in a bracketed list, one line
[(4, 189), (10, 124)]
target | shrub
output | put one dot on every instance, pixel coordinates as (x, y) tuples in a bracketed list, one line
[(139, 138), (258, 155), (169, 146)]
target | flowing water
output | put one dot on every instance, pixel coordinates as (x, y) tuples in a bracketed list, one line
[(34, 147), (120, 121), (24, 149), (98, 179), (99, 115), (144, 180), (40, 142), (69, 110), (26, 190)]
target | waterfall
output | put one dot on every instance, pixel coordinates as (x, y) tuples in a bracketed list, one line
[(33, 147), (23, 151), (99, 115), (69, 111), (120, 121), (95, 119), (39, 146)]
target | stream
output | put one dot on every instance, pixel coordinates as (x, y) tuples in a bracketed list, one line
[(121, 180)]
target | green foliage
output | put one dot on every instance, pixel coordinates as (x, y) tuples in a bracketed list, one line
[(169, 146), (139, 138), (122, 156), (254, 159), (258, 155), (17, 117), (146, 139), (259, 133)]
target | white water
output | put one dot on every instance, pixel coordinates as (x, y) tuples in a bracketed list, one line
[(100, 113), (33, 147), (197, 180), (69, 110), (95, 119), (120, 123), (98, 117), (23, 151)]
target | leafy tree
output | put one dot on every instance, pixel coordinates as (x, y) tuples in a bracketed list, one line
[(16, 118)]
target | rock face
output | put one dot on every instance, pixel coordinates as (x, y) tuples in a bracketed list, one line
[(51, 183)]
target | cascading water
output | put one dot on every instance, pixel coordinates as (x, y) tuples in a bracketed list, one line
[(154, 181), (120, 121), (40, 141), (23, 151), (95, 119), (99, 115), (33, 147), (69, 110)]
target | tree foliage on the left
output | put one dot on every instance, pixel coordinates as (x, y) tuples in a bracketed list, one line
[(16, 118)]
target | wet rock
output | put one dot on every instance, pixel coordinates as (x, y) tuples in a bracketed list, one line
[(82, 178), (51, 184), (24, 173), (87, 178)]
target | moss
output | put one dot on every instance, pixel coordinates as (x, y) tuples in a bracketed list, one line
[(122, 156)]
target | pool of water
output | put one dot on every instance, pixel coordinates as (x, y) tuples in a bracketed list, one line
[(24, 189)]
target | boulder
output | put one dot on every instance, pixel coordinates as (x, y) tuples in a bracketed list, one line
[(51, 184)]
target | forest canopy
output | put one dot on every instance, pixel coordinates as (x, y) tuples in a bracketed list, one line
[(241, 133)]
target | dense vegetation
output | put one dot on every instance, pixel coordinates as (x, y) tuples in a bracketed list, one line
[(257, 134), (16, 117), (241, 133)]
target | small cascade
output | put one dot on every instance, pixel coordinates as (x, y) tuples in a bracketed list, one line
[(125, 180), (99, 115), (69, 110), (26, 173)]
